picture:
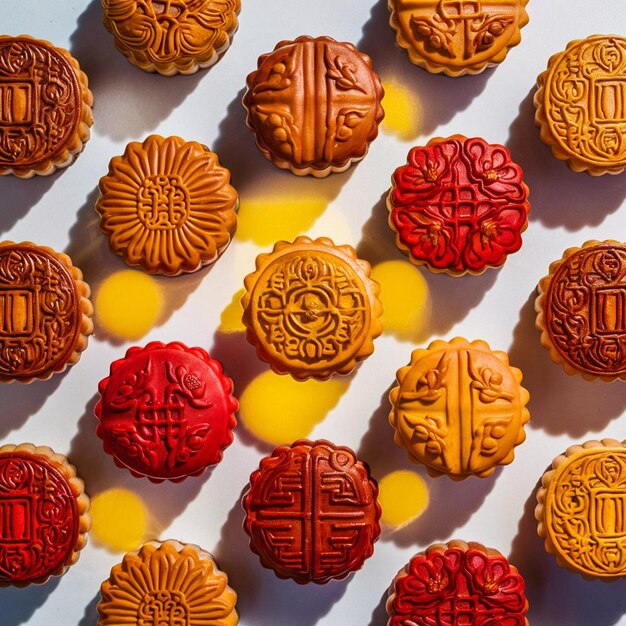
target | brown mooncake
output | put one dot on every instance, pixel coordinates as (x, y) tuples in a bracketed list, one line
[(311, 308), (43, 509), (312, 512), (457, 37), (459, 408), (45, 107), (314, 105), (167, 205), (172, 36), (167, 583), (46, 312), (581, 105), (581, 310)]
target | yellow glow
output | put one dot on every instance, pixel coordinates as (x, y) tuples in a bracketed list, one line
[(128, 304), (403, 496), (402, 110), (230, 321), (279, 409), (404, 293), (119, 519), (266, 219)]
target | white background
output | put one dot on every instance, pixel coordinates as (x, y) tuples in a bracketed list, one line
[(567, 209)]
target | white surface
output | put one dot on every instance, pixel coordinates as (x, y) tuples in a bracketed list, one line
[(567, 209)]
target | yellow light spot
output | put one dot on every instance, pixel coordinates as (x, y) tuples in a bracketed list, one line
[(265, 220), (279, 409), (128, 304), (230, 321), (119, 519), (403, 496), (402, 111), (406, 302)]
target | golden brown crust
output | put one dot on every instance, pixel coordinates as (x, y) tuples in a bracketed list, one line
[(435, 36), (459, 409), (311, 308), (41, 139), (584, 135)]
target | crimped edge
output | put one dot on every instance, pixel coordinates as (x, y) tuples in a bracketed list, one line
[(311, 170), (423, 262), (77, 486), (362, 269), (441, 548), (174, 548), (82, 132), (186, 65), (144, 146), (540, 320), (574, 161), (437, 68), (542, 493), (269, 461), (440, 344), (227, 388), (85, 309)]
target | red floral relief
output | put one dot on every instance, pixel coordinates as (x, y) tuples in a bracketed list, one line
[(459, 204), (446, 588)]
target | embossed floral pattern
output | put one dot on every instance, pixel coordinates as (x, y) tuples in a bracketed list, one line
[(167, 205)]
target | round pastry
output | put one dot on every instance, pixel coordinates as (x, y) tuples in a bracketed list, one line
[(457, 583), (581, 106), (311, 308), (43, 514), (581, 509), (166, 411), (314, 105), (581, 310), (458, 206), (46, 312), (45, 107), (312, 512), (457, 37), (167, 583), (172, 36), (459, 408), (167, 205)]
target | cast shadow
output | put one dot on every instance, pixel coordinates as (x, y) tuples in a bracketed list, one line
[(19, 196), (555, 595), (448, 298), (89, 250), (20, 401), (19, 605), (559, 196), (90, 617), (559, 403), (261, 594), (164, 501), (439, 97), (379, 614), (450, 503), (124, 102)]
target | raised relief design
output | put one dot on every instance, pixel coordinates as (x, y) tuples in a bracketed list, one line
[(459, 409), (40, 102), (585, 512), (314, 102), (452, 587), (167, 205), (38, 518), (163, 607), (459, 205), (585, 101), (39, 312), (312, 513), (584, 307)]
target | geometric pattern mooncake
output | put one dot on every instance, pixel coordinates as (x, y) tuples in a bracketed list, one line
[(312, 512)]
